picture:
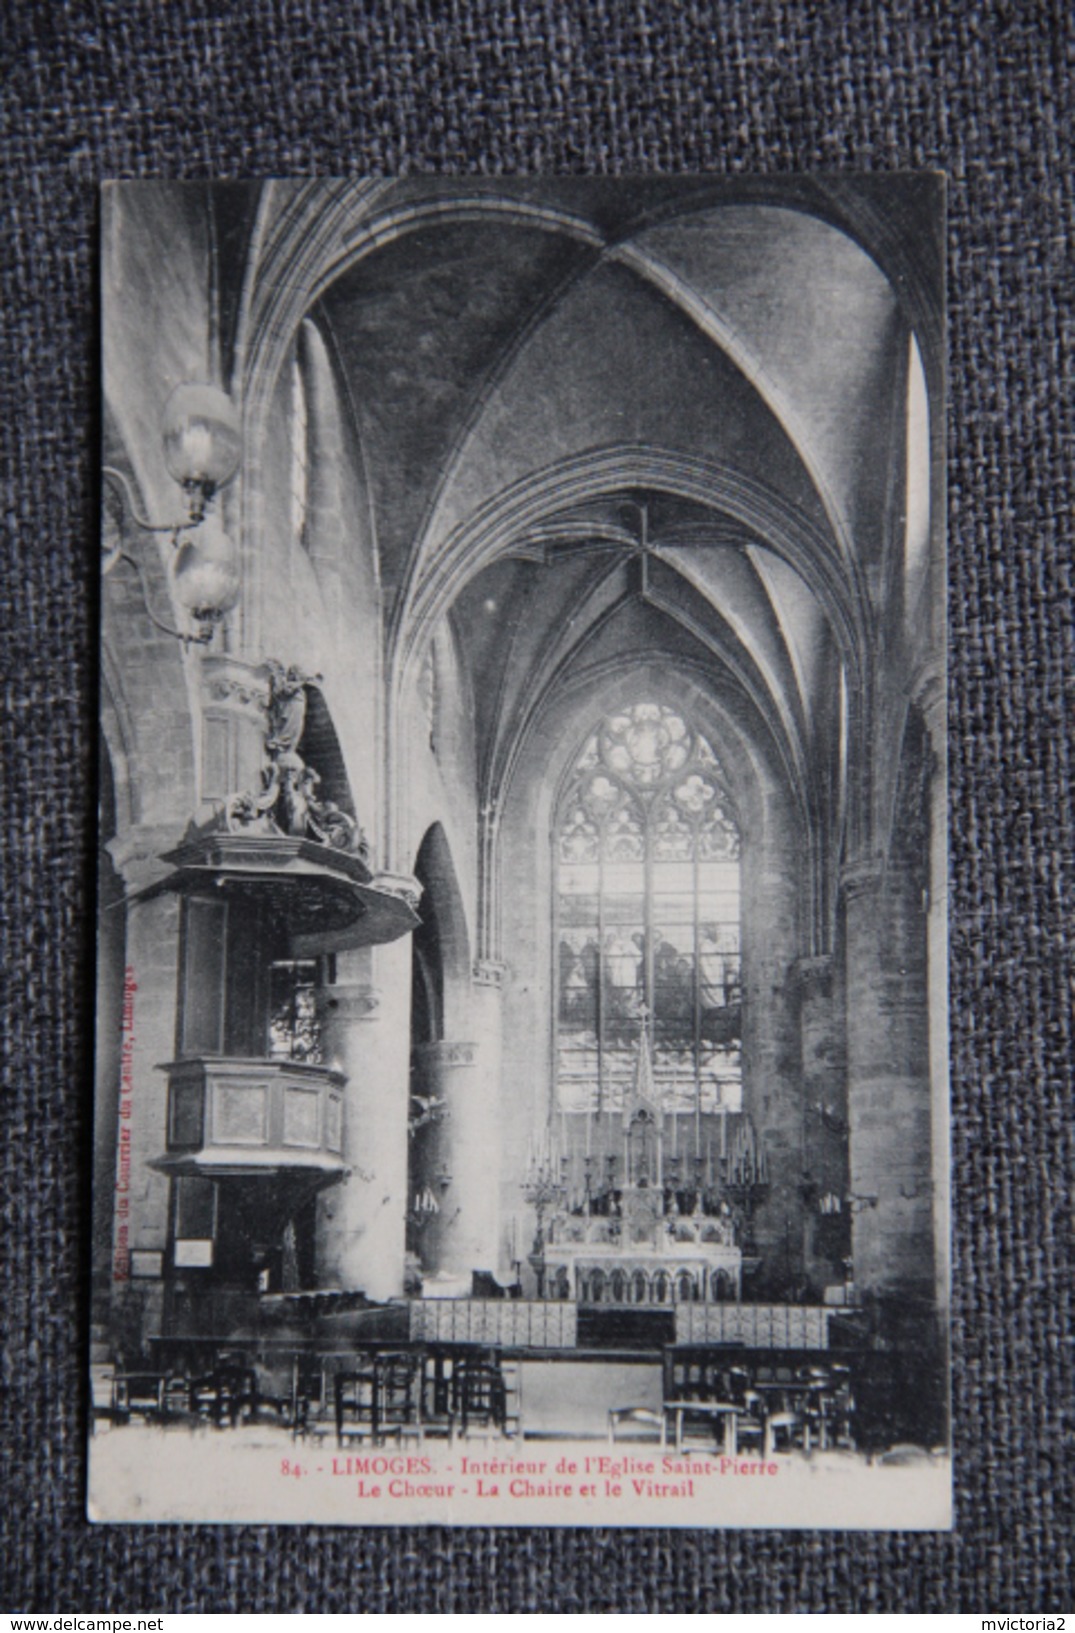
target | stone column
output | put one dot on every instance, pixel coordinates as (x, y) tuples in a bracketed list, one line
[(461, 1162), (366, 1032), (481, 1132), (824, 1084), (444, 1072), (147, 1040), (887, 1083), (772, 1093)]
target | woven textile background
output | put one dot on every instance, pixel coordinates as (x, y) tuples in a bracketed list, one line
[(340, 87)]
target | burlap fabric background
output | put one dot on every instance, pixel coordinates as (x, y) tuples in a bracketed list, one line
[(192, 88)]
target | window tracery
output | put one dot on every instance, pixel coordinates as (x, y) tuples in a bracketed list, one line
[(647, 914)]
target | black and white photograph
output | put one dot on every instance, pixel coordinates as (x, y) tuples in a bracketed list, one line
[(522, 1043)]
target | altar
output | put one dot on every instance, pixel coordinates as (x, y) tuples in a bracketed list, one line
[(647, 1232), (644, 1254)]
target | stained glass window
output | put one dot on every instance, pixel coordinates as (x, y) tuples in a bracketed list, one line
[(647, 857), (294, 1023)]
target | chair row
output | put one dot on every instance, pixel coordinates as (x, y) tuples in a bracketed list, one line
[(391, 1394), (410, 1394), (712, 1404), (226, 1395)]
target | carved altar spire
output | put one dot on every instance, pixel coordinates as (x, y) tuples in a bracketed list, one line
[(644, 1096)]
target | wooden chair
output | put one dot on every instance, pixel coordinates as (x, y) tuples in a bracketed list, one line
[(712, 1405), (226, 1395), (697, 1375), (828, 1408), (783, 1431), (315, 1397), (277, 1399), (512, 1373), (439, 1393), (398, 1392), (840, 1408), (814, 1405), (481, 1398), (356, 1406), (102, 1394), (138, 1393)]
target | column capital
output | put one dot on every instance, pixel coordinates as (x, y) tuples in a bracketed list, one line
[(351, 1001), (861, 877), (815, 970), (136, 853), (447, 1052), (488, 972)]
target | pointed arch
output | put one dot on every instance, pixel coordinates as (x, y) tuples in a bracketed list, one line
[(443, 936)]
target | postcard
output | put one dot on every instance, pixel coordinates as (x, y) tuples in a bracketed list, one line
[(521, 1078)]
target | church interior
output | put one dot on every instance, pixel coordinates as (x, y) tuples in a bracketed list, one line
[(522, 871)]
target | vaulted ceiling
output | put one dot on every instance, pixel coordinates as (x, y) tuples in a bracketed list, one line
[(525, 328)]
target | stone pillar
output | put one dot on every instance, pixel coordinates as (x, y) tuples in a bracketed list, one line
[(444, 1072), (484, 1157), (147, 1040), (366, 1033), (824, 1085), (887, 1083), (772, 1093), (461, 1160)]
